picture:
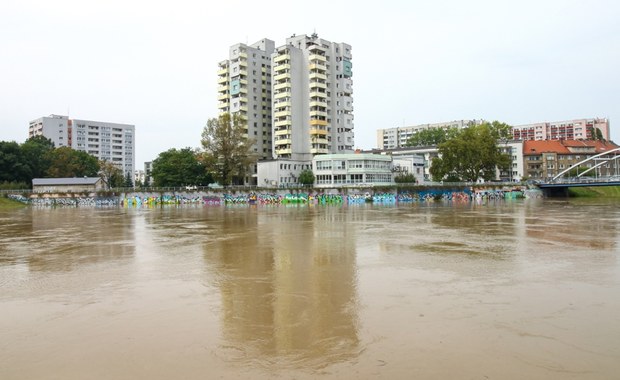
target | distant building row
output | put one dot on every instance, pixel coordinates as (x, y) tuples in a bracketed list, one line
[(539, 160), (577, 129)]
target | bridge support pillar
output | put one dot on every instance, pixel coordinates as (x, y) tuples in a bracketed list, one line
[(555, 192)]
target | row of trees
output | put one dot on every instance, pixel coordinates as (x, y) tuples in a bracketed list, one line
[(38, 158)]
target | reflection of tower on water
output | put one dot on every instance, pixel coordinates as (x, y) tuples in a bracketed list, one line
[(287, 278)]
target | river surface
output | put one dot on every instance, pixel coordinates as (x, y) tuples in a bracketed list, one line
[(504, 290)]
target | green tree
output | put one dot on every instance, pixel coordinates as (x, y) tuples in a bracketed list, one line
[(13, 166), (577, 170), (472, 154), (431, 136), (595, 134), (306, 177), (227, 149), (111, 174), (178, 167), (13, 185), (128, 180), (598, 134), (405, 178), (500, 131), (35, 152), (65, 162)]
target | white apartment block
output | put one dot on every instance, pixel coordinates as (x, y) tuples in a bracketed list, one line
[(106, 141), (139, 176), (312, 98), (244, 81), (346, 169), (354, 169), (392, 138), (514, 149), (281, 172), (576, 129)]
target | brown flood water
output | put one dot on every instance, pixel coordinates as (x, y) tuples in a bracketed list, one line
[(507, 290)]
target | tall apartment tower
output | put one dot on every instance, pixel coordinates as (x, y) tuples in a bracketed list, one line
[(106, 141), (245, 88), (312, 98)]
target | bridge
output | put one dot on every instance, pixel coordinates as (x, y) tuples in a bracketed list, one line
[(559, 185)]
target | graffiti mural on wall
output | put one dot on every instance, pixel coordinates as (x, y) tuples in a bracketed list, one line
[(138, 199)]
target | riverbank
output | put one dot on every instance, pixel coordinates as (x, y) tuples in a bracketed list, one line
[(6, 203), (595, 192)]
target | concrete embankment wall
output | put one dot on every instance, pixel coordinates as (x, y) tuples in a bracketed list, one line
[(332, 195)]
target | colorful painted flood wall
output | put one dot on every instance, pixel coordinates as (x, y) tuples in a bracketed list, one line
[(331, 196)]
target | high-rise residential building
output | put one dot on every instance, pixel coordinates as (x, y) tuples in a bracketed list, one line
[(148, 173), (106, 141), (392, 138), (244, 81), (577, 129), (312, 98)]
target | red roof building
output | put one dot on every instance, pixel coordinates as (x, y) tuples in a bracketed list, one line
[(544, 159)]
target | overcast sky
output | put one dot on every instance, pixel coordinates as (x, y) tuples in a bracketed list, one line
[(154, 63)]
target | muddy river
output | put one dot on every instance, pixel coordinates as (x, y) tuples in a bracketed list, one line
[(502, 290)]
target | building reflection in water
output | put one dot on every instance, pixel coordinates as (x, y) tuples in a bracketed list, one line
[(287, 278)]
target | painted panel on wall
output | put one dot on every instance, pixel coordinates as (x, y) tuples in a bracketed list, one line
[(347, 69), (235, 87)]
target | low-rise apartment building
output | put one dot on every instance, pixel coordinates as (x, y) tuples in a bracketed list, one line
[(334, 170), (514, 149), (281, 172), (393, 138), (545, 159), (576, 129)]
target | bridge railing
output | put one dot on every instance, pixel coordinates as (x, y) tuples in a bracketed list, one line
[(570, 180)]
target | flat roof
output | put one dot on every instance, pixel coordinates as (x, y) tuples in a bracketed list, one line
[(65, 181), (353, 156)]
